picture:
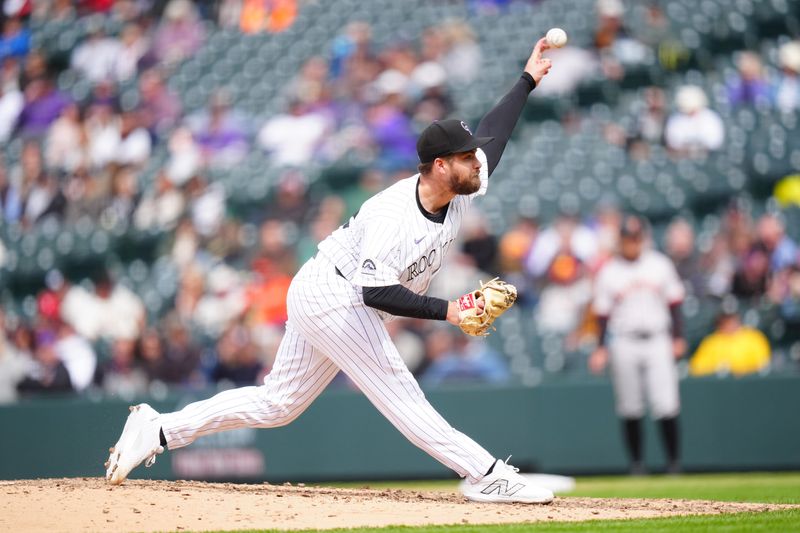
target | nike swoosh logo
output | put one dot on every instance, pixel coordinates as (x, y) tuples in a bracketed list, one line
[(417, 241)]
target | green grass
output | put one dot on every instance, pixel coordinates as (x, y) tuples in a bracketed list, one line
[(779, 521), (741, 487), (783, 487)]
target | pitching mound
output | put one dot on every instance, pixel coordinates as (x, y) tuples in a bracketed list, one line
[(88, 504)]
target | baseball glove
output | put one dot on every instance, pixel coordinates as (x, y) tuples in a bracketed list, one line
[(497, 297)]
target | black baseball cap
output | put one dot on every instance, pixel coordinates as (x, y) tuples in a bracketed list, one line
[(633, 226), (445, 137)]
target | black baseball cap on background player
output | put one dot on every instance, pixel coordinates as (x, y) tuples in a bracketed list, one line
[(633, 226), (445, 137)]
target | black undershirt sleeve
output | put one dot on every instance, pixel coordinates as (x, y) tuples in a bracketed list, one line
[(399, 301), (677, 320), (500, 121)]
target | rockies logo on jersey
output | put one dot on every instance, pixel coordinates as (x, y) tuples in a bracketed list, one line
[(368, 267)]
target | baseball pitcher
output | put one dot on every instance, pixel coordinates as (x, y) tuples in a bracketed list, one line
[(376, 266)]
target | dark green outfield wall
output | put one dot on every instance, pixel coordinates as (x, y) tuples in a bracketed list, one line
[(740, 424)]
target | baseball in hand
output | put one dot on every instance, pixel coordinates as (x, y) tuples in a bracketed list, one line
[(556, 37)]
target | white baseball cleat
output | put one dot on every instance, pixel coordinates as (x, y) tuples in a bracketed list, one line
[(505, 485), (138, 443)]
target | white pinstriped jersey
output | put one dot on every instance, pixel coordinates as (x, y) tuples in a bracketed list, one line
[(636, 295), (389, 241)]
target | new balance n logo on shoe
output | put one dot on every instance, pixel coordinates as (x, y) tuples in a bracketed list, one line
[(501, 488)]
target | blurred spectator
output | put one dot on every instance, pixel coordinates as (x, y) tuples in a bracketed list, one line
[(11, 104), (48, 375), (616, 46), (478, 244), (35, 193), (513, 250), (134, 142), (206, 205), (429, 93), (15, 41), (389, 127), (237, 358), (44, 199), (173, 362), (787, 191), (561, 257), (694, 129), (652, 118), (310, 86), (752, 276), (159, 107), (66, 141), (455, 358), (351, 54), (182, 356), (15, 363), (462, 58), (679, 245), (787, 89), (185, 160), (224, 303), (77, 355), (273, 246), (750, 86), (266, 295), (161, 207), (97, 56), (111, 311), (254, 16), (786, 293), (179, 34), (121, 375), (190, 289), (719, 261), (220, 132), (292, 138), (43, 105), (124, 197), (291, 203), (782, 250), (731, 348), (515, 245), (134, 47), (102, 126)]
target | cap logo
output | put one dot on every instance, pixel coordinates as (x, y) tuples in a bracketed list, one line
[(464, 125)]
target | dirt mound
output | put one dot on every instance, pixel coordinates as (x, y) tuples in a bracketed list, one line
[(88, 504)]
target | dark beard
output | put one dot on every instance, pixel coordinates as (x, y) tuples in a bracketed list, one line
[(465, 187)]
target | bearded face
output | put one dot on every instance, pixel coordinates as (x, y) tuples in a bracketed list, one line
[(464, 173)]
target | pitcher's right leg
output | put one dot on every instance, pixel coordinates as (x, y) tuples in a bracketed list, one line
[(299, 375)]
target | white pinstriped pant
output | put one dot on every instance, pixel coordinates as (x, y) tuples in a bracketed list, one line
[(330, 328)]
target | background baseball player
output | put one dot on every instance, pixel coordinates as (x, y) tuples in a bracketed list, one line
[(637, 299), (378, 265)]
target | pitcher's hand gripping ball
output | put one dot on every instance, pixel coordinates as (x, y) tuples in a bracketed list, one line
[(497, 297)]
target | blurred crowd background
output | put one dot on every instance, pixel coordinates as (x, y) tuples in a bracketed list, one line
[(166, 167)]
